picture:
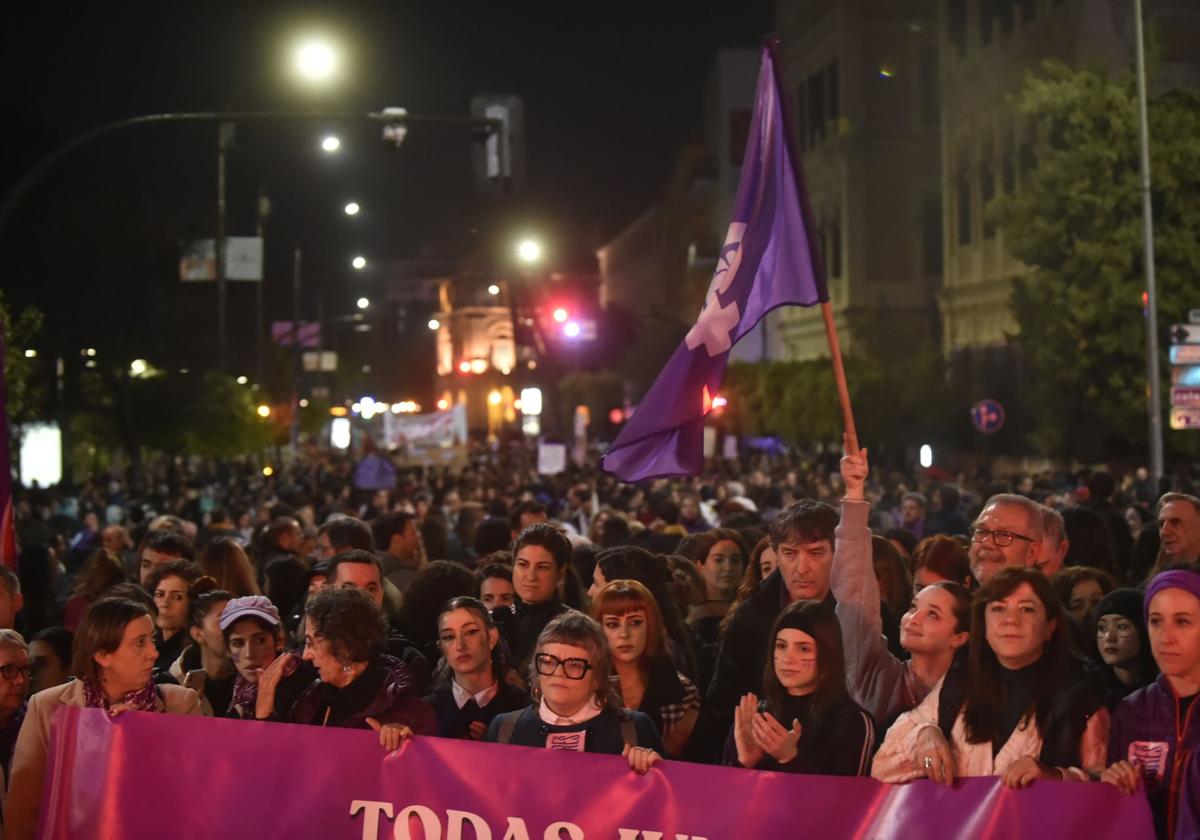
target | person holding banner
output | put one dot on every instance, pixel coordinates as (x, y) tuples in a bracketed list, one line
[(932, 631), (1024, 707), (358, 686), (646, 678), (804, 684), (474, 690), (114, 663), (1155, 737), (575, 705)]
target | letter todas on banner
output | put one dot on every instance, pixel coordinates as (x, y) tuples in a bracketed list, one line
[(348, 788)]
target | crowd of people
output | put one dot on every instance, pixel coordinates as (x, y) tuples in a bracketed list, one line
[(797, 616)]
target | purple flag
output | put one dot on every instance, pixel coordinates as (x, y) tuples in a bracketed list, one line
[(769, 259)]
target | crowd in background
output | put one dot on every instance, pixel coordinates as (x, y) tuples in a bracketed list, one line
[(803, 615)]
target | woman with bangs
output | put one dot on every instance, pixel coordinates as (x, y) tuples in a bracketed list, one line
[(1026, 706), (646, 679), (574, 705)]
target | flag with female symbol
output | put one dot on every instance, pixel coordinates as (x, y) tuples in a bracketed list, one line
[(768, 259)]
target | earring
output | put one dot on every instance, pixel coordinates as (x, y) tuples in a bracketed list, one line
[(345, 669)]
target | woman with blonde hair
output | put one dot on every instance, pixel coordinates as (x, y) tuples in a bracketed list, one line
[(646, 680)]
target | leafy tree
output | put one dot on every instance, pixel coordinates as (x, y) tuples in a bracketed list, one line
[(23, 396), (1076, 221)]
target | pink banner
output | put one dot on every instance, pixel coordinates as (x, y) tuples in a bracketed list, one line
[(147, 775)]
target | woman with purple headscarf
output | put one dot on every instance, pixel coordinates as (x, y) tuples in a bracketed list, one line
[(1156, 730)]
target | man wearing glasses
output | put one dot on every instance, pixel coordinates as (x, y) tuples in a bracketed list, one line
[(1008, 532), (14, 691)]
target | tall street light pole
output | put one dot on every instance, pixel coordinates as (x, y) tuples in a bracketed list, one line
[(224, 129), (1155, 408)]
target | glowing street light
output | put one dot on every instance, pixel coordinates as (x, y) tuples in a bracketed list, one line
[(264, 411), (30, 354), (560, 315), (529, 251), (331, 144), (571, 329), (359, 263), (352, 208), (241, 380), (316, 60), (494, 397), (363, 302), (434, 324), (138, 367), (493, 289)]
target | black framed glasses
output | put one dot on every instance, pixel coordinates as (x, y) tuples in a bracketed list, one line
[(573, 667), (9, 672), (1001, 538)]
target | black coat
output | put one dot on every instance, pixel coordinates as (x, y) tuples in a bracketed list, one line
[(453, 722)]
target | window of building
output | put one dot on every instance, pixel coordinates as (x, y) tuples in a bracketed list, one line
[(987, 21), (931, 88), (1006, 12), (1009, 171), (963, 206), (833, 246), (816, 109), (1028, 10), (739, 131), (931, 236), (833, 91), (987, 191), (1025, 162), (958, 26), (801, 117)]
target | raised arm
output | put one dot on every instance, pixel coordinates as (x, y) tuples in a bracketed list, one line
[(875, 677)]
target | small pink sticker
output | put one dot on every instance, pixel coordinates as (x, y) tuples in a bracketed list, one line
[(1151, 758)]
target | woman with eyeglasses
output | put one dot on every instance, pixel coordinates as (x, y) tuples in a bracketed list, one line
[(1024, 707), (575, 707), (15, 676)]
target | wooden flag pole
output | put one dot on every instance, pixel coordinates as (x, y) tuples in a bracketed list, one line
[(814, 247), (839, 378)]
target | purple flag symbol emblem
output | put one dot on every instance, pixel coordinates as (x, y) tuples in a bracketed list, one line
[(769, 259)]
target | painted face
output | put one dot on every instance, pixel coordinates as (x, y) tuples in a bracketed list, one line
[(466, 641), (496, 592), (805, 568), (14, 689), (129, 667), (796, 661), (252, 647), (626, 634), (1174, 630), (364, 576), (151, 560), (535, 575), (565, 696), (1000, 523), (1117, 640), (48, 669), (1017, 627), (767, 561), (319, 652), (170, 596), (929, 624), (722, 569), (1085, 595), (1179, 527)]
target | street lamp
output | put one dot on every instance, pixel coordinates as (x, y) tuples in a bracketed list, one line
[(529, 251), (352, 208), (359, 263), (493, 289), (316, 60), (434, 324), (264, 411), (331, 143), (363, 303)]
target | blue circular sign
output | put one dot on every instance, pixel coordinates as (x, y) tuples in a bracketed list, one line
[(988, 416)]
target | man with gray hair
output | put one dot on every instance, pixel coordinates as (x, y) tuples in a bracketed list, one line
[(1179, 528), (1007, 532), (14, 691), (1055, 544)]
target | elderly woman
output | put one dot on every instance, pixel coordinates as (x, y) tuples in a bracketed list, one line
[(253, 635), (1025, 706), (114, 661), (575, 707), (358, 686)]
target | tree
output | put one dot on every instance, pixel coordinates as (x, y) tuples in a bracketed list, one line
[(22, 394), (1076, 221)]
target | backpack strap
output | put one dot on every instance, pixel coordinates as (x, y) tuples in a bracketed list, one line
[(508, 722)]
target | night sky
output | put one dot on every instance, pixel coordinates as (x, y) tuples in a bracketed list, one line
[(609, 98)]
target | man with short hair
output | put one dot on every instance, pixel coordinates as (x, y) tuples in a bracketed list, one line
[(1055, 544), (525, 514), (912, 513), (1179, 528), (1007, 532), (398, 542), (540, 557), (159, 548), (496, 585), (342, 533), (282, 538)]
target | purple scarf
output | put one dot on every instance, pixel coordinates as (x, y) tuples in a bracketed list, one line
[(245, 693), (144, 699)]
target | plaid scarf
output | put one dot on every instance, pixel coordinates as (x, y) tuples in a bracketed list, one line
[(144, 699)]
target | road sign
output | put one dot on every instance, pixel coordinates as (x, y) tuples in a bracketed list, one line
[(1194, 316), (1185, 418), (988, 416), (1185, 354), (1185, 397), (1184, 333), (1186, 375)]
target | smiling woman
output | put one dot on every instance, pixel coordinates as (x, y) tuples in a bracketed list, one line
[(114, 660)]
